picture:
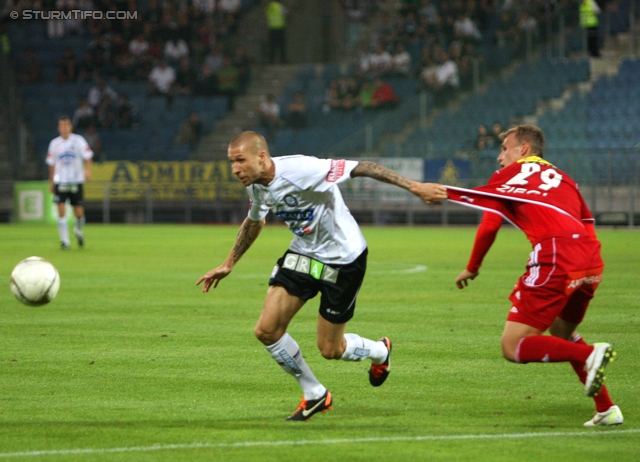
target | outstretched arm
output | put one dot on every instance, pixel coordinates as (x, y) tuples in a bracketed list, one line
[(431, 193), (486, 234), (248, 233)]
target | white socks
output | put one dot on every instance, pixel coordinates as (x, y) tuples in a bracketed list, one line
[(359, 348), (63, 230), (79, 225), (286, 353)]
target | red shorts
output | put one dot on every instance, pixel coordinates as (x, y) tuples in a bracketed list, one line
[(562, 275)]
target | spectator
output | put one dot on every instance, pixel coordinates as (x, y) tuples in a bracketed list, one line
[(382, 32), (364, 59), (161, 80), (55, 27), (139, 47), (350, 97), (508, 32), (73, 24), (67, 67), (126, 66), (356, 16), (331, 98), (175, 49), (401, 61), (127, 113), (154, 13), (269, 113), (410, 28), (88, 68), (484, 140), (528, 23), (228, 81), (95, 143), (99, 92), (84, 115), (31, 69), (190, 131), (100, 48), (206, 82), (380, 62), (446, 81), (429, 11), (207, 7), (214, 60), (185, 78), (156, 48), (243, 63), (276, 15), (118, 46), (429, 69), (465, 29), (229, 10), (496, 130), (383, 96), (464, 63), (106, 114), (589, 11), (366, 95), (297, 112)]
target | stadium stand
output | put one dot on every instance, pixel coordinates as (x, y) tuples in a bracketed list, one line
[(48, 96), (506, 99)]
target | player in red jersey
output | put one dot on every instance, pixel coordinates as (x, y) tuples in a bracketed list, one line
[(564, 268)]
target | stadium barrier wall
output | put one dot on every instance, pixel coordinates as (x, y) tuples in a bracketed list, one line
[(207, 192)]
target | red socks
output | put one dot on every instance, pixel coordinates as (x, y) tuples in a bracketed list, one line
[(550, 349), (602, 399)]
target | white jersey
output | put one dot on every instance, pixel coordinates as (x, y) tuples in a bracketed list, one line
[(68, 156), (305, 195)]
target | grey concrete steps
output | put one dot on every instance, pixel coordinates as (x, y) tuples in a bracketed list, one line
[(265, 79)]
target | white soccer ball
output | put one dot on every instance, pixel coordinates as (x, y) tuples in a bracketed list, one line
[(35, 281)]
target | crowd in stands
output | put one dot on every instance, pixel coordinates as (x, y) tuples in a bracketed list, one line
[(172, 47), (488, 140), (438, 41), (178, 48), (435, 43)]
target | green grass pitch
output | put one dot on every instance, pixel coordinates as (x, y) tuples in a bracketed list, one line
[(132, 362)]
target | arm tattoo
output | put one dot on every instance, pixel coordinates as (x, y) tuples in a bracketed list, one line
[(247, 234), (380, 173)]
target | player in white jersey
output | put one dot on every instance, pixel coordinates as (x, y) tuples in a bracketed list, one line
[(69, 160), (328, 255)]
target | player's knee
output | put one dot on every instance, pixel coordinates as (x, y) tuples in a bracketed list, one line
[(265, 337), (508, 350), (329, 351)]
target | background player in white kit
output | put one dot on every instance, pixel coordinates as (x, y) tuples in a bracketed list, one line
[(69, 160), (328, 255)]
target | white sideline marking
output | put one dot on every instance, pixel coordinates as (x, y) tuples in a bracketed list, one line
[(415, 269), (249, 444)]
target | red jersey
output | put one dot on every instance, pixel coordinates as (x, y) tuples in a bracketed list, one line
[(531, 194)]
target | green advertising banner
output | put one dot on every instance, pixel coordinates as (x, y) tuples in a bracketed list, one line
[(33, 203)]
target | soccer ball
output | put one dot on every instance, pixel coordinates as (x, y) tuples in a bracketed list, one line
[(35, 281)]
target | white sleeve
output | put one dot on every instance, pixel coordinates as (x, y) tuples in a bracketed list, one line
[(320, 174), (257, 208), (50, 156), (87, 153)]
